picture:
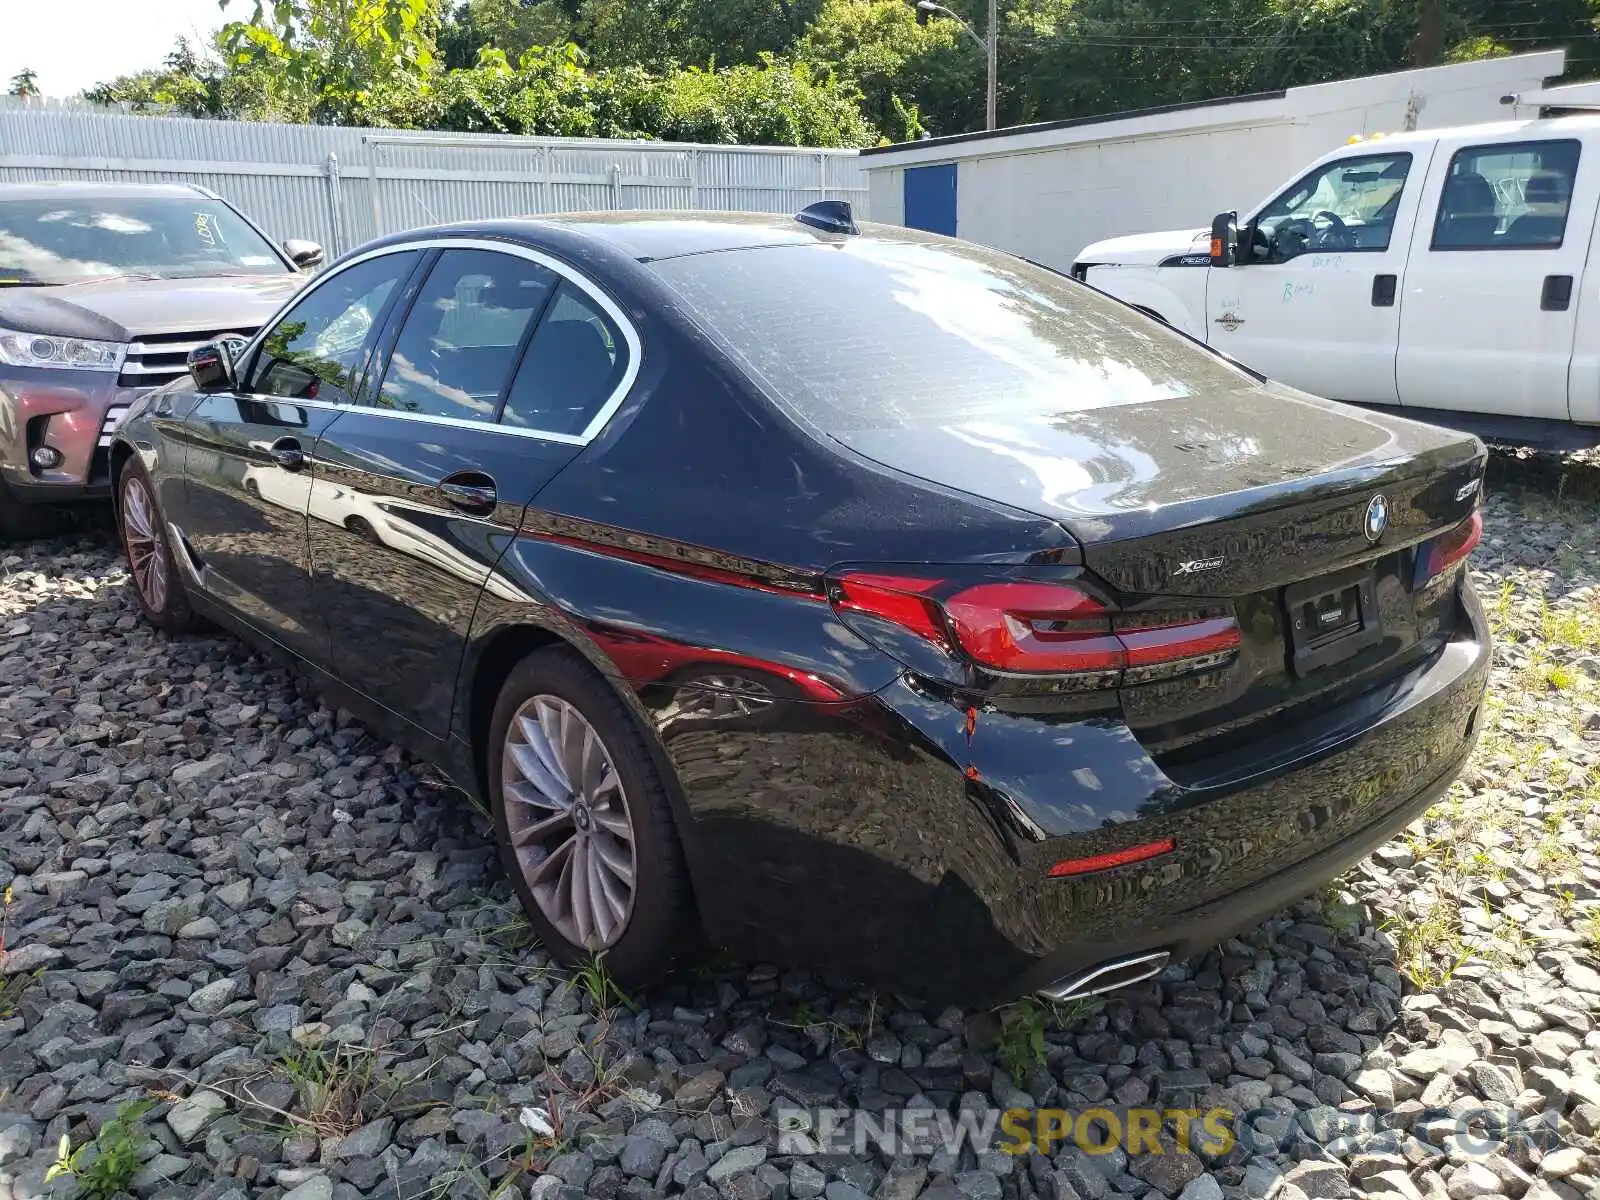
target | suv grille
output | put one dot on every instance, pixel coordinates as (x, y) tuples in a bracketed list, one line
[(162, 357)]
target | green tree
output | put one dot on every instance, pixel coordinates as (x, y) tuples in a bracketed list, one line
[(911, 76), (24, 83), (334, 61), (512, 26)]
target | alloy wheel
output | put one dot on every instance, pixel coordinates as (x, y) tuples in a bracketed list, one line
[(567, 817), (147, 549)]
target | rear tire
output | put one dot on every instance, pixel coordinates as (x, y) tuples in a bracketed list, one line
[(157, 586), (583, 821)]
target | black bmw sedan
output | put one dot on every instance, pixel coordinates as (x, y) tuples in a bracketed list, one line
[(846, 596)]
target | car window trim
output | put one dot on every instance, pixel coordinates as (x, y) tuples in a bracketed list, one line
[(1511, 146), (592, 290)]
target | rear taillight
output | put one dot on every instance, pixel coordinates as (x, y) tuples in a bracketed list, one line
[(1020, 627), (1445, 551)]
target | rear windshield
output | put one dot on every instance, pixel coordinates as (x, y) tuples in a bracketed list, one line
[(868, 334), (68, 239)]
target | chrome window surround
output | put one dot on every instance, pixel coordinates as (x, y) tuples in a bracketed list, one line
[(598, 422)]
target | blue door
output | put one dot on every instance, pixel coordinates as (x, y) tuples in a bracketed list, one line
[(931, 198)]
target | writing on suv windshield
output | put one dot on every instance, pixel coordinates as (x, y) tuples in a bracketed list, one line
[(69, 240)]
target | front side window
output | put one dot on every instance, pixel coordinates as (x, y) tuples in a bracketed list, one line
[(319, 346), (574, 363), (1513, 196), (462, 337), (68, 239), (1349, 204)]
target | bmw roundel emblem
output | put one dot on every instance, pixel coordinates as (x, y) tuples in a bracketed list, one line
[(1377, 517)]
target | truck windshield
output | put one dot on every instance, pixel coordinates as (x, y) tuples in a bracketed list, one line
[(70, 239)]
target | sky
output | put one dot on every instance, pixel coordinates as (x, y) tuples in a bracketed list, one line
[(75, 44)]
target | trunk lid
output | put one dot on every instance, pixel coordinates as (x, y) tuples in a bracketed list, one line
[(1272, 482), (1257, 498)]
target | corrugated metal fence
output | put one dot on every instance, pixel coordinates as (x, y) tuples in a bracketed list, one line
[(341, 186)]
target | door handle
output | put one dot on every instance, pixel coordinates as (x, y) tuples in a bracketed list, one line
[(470, 491), (286, 452), (1383, 290), (1557, 293)]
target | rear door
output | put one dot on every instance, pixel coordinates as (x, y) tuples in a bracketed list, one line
[(495, 377), (1315, 303), (247, 478), (1491, 294)]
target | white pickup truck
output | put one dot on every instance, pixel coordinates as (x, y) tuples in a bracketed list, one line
[(1442, 273)]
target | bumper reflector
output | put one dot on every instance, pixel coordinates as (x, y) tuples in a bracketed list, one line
[(1117, 858)]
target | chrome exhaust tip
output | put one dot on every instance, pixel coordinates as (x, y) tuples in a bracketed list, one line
[(1108, 976)]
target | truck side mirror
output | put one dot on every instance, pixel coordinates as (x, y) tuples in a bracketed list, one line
[(1224, 238)]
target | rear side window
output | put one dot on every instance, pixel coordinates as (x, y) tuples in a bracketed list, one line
[(870, 333), (574, 363), (1510, 196), (461, 339)]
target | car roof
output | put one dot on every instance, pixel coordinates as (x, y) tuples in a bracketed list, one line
[(108, 191), (651, 236)]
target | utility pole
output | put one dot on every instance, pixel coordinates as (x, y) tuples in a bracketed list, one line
[(993, 50), (989, 45)]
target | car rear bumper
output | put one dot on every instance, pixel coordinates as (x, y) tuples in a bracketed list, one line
[(896, 840)]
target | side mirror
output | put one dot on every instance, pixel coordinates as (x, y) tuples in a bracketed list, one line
[(212, 366), (1224, 238), (303, 254)]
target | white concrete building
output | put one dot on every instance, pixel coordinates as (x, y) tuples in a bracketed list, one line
[(1045, 191)]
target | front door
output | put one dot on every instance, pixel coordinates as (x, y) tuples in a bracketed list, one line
[(247, 468), (1314, 303), (1490, 307), (493, 379)]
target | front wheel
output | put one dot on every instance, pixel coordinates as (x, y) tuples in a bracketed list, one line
[(584, 823), (156, 584)]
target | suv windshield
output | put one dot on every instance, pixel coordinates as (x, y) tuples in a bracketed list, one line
[(70, 239)]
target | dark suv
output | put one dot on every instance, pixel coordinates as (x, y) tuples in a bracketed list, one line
[(104, 290)]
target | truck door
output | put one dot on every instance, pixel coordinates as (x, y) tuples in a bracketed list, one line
[(1490, 300), (1312, 301)]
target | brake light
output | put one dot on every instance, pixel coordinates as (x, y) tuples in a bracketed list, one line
[(1446, 550), (1041, 628)]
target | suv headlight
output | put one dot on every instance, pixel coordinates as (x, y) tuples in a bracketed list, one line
[(65, 353)]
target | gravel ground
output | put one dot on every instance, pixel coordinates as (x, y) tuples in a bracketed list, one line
[(250, 950)]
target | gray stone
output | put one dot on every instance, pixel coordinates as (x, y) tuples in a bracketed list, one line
[(736, 1162), (189, 1118), (318, 1187), (642, 1156), (1320, 1180)]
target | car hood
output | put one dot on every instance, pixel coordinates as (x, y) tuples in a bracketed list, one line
[(1124, 470), (1146, 249), (119, 310)]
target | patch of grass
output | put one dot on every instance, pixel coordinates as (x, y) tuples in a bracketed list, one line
[(106, 1166), (595, 979), (12, 987), (1022, 1047), (1428, 948), (331, 1084), (1589, 929)]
